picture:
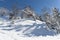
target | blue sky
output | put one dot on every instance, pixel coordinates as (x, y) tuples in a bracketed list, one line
[(37, 5)]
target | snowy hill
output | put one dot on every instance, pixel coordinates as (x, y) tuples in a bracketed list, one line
[(21, 28)]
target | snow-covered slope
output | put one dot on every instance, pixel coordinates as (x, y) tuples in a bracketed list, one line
[(24, 30)]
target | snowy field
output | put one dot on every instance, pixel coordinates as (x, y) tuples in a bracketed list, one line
[(26, 30), (13, 36)]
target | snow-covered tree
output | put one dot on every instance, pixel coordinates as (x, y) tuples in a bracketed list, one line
[(3, 11), (27, 12), (56, 18), (52, 21)]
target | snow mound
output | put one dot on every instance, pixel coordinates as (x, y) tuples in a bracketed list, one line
[(26, 27), (23, 29)]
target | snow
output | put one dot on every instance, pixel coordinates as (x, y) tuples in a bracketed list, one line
[(13, 36), (25, 30)]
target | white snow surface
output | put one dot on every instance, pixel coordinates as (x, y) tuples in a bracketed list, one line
[(25, 30)]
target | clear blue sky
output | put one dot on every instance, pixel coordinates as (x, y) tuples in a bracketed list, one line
[(37, 5)]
